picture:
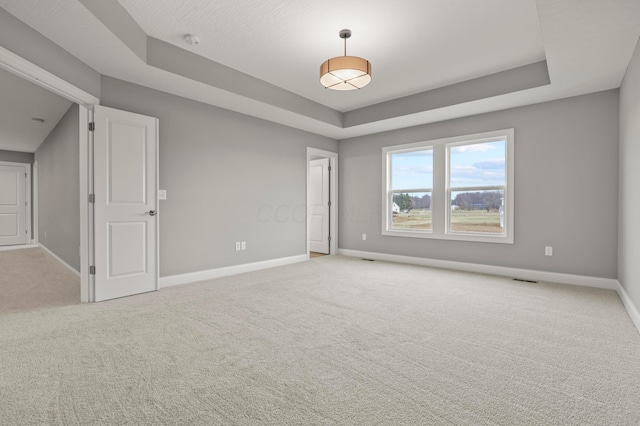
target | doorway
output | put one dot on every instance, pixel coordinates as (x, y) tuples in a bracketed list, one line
[(124, 132), (322, 202), (40, 77)]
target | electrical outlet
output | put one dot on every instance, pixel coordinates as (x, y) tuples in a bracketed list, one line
[(548, 251), (237, 245), (243, 245), (364, 237)]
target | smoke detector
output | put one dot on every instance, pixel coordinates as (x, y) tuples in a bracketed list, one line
[(191, 39)]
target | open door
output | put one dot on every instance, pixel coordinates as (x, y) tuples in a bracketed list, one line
[(126, 204), (319, 205), (13, 210)]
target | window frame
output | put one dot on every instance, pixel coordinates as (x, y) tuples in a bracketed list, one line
[(441, 190), (390, 192)]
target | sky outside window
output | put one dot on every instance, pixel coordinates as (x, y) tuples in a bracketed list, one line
[(481, 164), (412, 170)]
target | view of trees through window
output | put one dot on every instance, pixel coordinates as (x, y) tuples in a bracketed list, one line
[(411, 182), (412, 210), (476, 182), (477, 179)]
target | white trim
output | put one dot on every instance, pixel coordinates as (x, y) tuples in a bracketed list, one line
[(62, 262), (18, 247), (157, 204), (527, 274), (43, 78), (34, 236), (192, 277), (632, 310), (333, 196), (85, 155)]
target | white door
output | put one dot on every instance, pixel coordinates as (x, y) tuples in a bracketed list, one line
[(319, 205), (126, 205), (13, 210)]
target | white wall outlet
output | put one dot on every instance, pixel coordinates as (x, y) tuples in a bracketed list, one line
[(364, 237), (243, 245), (162, 194), (237, 245), (548, 251)]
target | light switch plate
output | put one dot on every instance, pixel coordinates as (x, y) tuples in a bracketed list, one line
[(162, 194)]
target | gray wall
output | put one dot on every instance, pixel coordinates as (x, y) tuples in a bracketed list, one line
[(629, 226), (16, 157), (29, 44), (229, 177), (566, 188), (59, 189)]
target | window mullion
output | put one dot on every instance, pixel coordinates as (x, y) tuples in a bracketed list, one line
[(438, 196)]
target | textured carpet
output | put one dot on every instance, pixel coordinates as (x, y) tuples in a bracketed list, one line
[(335, 340), (32, 279)]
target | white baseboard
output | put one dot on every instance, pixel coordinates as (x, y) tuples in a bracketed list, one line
[(629, 305), (526, 274), (23, 246), (65, 264), (554, 277), (192, 277)]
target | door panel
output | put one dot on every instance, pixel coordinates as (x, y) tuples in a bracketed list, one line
[(319, 205), (125, 186), (13, 210), (127, 259)]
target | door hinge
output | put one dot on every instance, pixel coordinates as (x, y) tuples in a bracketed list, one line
[(92, 198), (92, 270), (92, 126), (329, 168), (329, 238), (329, 203)]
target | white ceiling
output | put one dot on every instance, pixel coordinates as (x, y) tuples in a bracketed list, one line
[(415, 46), (20, 101)]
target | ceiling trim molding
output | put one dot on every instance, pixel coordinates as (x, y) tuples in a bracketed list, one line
[(176, 60), (120, 23), (501, 83)]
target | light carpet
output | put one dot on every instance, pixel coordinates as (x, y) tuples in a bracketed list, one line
[(332, 341), (31, 278)]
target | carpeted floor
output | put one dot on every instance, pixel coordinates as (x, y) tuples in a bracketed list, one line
[(31, 278), (332, 341)]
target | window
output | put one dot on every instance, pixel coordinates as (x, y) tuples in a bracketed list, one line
[(455, 188), (410, 194)]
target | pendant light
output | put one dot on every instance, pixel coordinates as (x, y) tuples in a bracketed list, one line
[(345, 72)]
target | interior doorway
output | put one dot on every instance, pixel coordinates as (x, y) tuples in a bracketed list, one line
[(322, 202), (41, 77)]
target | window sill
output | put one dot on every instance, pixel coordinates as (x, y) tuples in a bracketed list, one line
[(478, 238)]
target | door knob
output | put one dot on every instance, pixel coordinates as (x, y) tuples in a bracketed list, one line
[(152, 212)]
